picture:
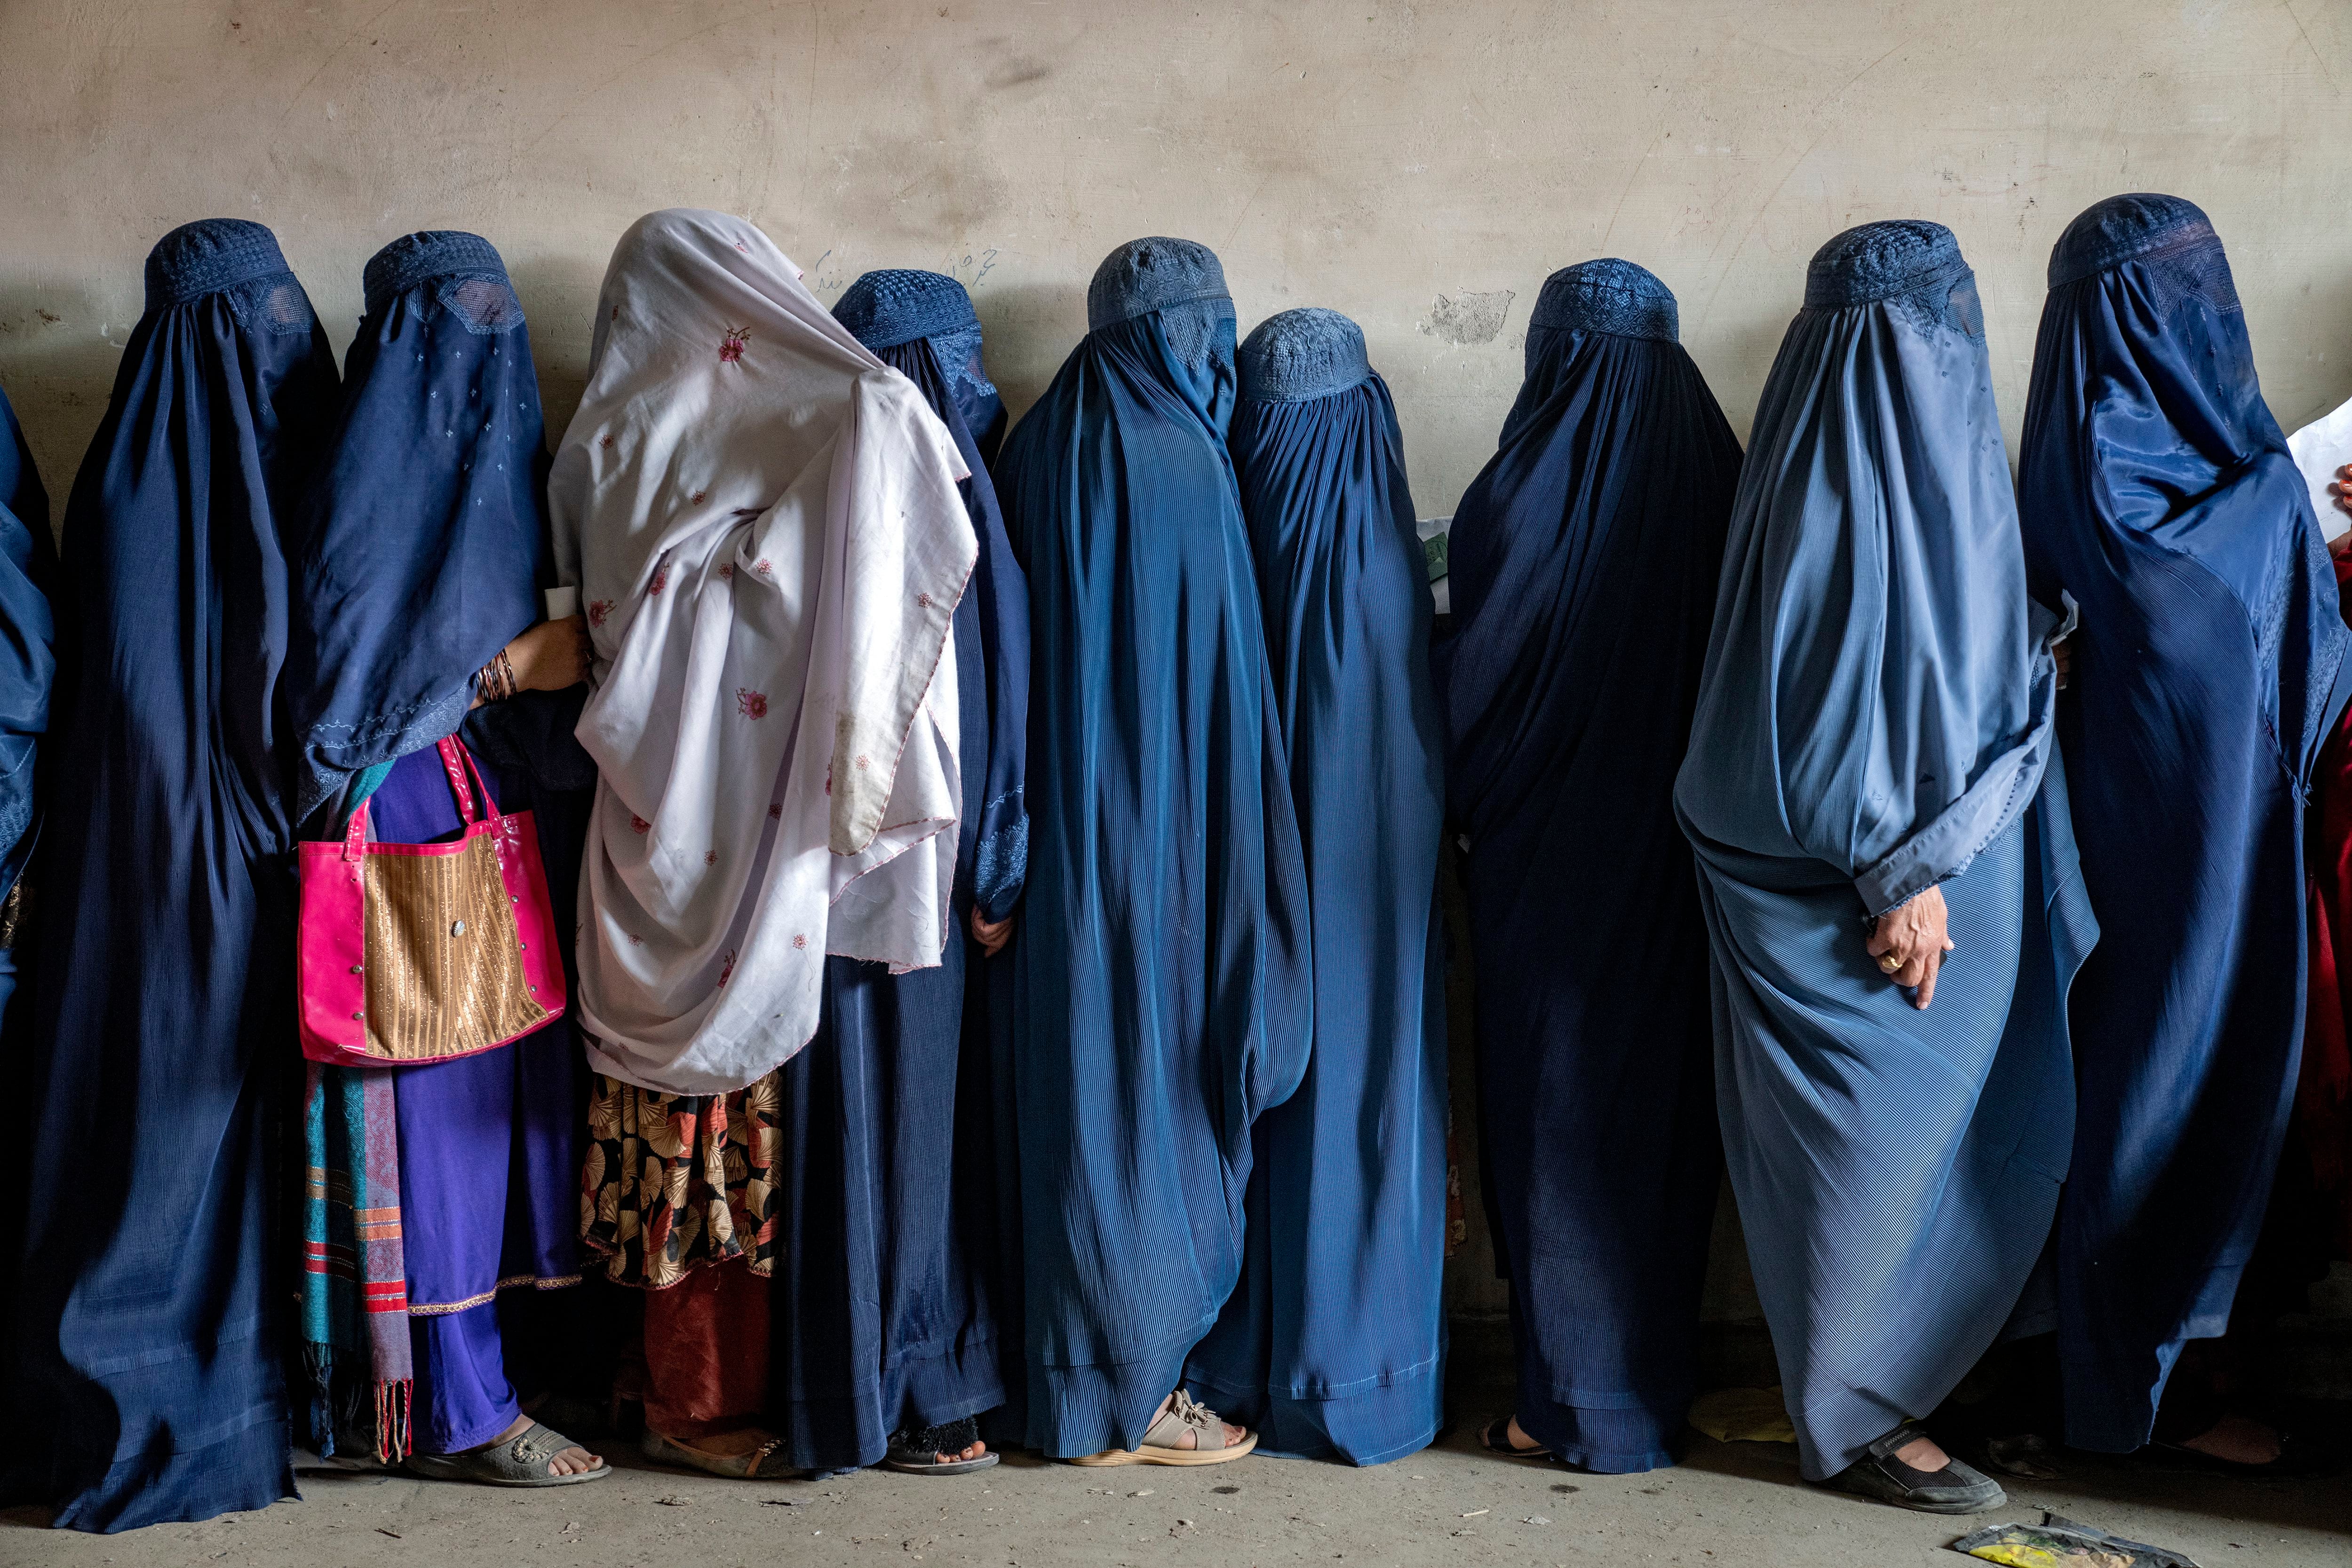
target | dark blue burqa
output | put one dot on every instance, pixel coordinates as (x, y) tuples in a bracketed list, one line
[(1333, 1343), (1164, 986), (2156, 488), (1584, 558), (426, 552), (1874, 721), (887, 1276), (429, 544), (29, 569), (152, 1318)]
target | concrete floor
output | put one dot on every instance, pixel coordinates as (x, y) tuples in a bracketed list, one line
[(1730, 1505)]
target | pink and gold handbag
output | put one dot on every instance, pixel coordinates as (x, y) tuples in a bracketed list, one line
[(413, 953)]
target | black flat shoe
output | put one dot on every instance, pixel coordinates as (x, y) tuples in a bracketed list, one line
[(1878, 1474), (1495, 1438)]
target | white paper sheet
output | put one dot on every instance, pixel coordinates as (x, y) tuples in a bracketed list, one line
[(2320, 448)]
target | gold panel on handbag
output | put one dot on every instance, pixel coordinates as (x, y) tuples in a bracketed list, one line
[(445, 971)]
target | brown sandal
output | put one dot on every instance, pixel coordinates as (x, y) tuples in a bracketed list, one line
[(759, 1463)]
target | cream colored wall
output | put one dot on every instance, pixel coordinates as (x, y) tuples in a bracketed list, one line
[(1394, 162)]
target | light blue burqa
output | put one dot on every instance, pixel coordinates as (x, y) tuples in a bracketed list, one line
[(1876, 719)]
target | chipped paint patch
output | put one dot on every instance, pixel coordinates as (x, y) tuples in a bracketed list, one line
[(1467, 317)]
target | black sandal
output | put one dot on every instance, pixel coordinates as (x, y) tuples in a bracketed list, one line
[(917, 1451), (1956, 1487), (1495, 1438)]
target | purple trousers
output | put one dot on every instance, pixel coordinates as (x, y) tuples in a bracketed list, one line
[(489, 1179)]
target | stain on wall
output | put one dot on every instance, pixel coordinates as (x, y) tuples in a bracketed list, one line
[(1466, 319)]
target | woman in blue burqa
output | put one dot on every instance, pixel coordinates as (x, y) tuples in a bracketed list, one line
[(887, 1341), (418, 602), (1164, 986), (1333, 1344), (1886, 866), (151, 1313), (1584, 561), (2157, 490)]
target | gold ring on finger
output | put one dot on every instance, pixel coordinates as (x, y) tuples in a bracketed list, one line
[(1889, 962)]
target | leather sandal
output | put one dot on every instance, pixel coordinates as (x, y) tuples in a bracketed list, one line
[(1955, 1489), (1159, 1446), (520, 1461), (760, 1464)]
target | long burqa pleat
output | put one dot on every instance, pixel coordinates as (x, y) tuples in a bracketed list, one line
[(426, 552), (2156, 490), (1164, 984), (883, 1311), (1874, 721), (1584, 559), (28, 571), (1333, 1343), (151, 1327)]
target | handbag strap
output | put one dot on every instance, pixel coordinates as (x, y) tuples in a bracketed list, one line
[(457, 764)]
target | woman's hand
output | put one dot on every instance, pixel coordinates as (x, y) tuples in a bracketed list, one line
[(2062, 651), (552, 655), (1908, 944), (2341, 488), (991, 938)]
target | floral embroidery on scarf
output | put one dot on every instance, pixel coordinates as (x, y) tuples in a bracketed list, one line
[(695, 499), (727, 572), (711, 857), (763, 568), (597, 610), (726, 969), (731, 352), (604, 441), (776, 809), (751, 703), (661, 580), (674, 1182), (638, 824)]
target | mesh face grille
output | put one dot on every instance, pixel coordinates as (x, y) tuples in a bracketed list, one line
[(272, 305), (1192, 329), (484, 304)]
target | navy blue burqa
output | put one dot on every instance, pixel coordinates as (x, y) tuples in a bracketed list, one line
[(2156, 490), (1333, 1343), (430, 545), (154, 1312), (886, 1275), (1874, 721), (426, 551), (29, 569), (1163, 985), (1584, 558)]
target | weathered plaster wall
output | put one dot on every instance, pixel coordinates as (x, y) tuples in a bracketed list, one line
[(1421, 167)]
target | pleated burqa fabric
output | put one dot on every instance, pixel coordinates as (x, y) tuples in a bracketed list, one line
[(1164, 980), (1874, 721), (1584, 559), (883, 1308), (1333, 1343), (2156, 490), (152, 1323)]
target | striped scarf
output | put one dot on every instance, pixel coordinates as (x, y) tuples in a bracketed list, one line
[(354, 1279)]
